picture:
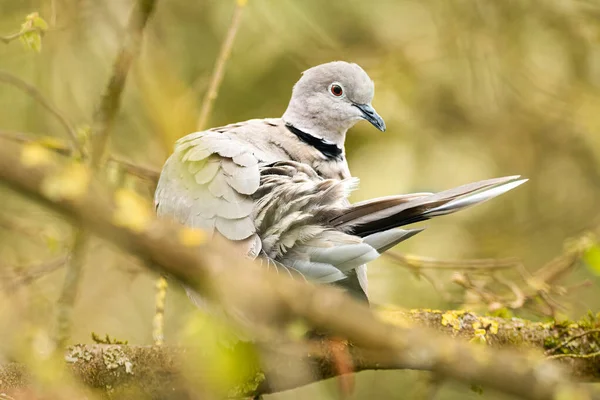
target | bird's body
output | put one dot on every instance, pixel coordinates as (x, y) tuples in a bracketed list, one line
[(279, 187), (194, 187)]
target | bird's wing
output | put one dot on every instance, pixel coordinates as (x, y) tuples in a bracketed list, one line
[(208, 181)]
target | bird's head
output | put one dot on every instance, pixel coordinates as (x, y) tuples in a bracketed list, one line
[(330, 98)]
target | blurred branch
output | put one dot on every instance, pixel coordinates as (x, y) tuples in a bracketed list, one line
[(159, 371), (29, 274), (559, 266), (9, 38), (219, 69), (50, 143), (111, 99), (419, 262), (265, 299), (104, 119), (34, 93), (147, 173), (483, 279), (68, 293), (18, 226)]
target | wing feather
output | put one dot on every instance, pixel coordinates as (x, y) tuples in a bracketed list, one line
[(204, 173), (207, 183)]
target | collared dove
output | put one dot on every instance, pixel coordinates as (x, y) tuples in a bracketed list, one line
[(279, 187)]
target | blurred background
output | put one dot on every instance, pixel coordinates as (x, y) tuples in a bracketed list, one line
[(469, 90)]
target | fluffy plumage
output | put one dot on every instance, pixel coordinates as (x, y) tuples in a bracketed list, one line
[(284, 200)]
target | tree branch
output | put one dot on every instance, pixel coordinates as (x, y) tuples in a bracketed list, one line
[(32, 273), (111, 99), (483, 277), (219, 70), (60, 147), (14, 36), (101, 127), (159, 371), (262, 297), (433, 263), (146, 173)]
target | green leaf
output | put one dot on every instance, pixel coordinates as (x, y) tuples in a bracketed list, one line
[(591, 257), (39, 22), (34, 20), (32, 41), (222, 360)]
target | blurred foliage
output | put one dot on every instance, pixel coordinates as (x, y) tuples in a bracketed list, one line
[(469, 89), (32, 30), (592, 259)]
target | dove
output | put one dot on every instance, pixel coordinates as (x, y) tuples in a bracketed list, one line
[(278, 187)]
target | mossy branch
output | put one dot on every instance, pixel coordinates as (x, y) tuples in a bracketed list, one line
[(164, 371)]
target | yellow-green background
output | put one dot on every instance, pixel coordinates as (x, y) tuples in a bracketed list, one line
[(469, 89)]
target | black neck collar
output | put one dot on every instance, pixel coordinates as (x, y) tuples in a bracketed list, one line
[(329, 150)]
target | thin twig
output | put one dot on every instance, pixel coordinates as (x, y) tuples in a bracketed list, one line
[(590, 355), (432, 263), (53, 13), (538, 285), (15, 225), (142, 172), (13, 36), (219, 69), (558, 266), (34, 93), (566, 342), (514, 288), (33, 273), (465, 281), (111, 99), (70, 287), (437, 286), (56, 145), (575, 286)]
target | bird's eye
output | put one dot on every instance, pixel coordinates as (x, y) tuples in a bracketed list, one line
[(336, 90)]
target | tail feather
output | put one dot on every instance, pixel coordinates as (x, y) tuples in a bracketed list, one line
[(378, 215), (477, 198), (383, 241), (379, 204)]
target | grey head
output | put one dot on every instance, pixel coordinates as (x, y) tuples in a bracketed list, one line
[(329, 99)]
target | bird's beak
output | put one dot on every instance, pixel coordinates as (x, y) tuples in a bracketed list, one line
[(369, 113)]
